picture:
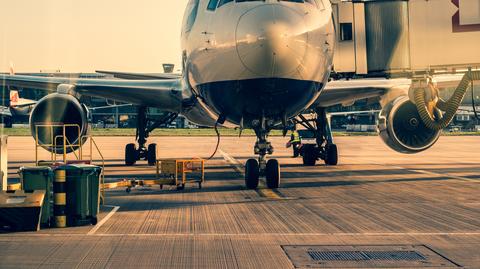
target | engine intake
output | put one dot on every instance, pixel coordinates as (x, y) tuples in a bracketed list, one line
[(54, 112), (402, 129)]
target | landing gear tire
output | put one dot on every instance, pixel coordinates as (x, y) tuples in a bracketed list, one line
[(252, 174), (130, 154), (272, 174), (309, 155), (331, 154), (152, 154)]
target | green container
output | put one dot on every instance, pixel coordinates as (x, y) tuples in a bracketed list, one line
[(40, 178), (83, 194)]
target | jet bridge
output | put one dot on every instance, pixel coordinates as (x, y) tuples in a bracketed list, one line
[(387, 38)]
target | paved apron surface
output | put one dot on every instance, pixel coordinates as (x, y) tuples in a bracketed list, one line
[(374, 197)]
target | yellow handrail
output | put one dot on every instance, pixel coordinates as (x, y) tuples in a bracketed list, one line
[(53, 141), (102, 174), (72, 146)]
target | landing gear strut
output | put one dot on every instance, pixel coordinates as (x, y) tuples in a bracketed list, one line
[(324, 148), (261, 167), (144, 127)]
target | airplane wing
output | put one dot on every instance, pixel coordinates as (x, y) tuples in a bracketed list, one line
[(165, 94), (346, 92), (140, 76)]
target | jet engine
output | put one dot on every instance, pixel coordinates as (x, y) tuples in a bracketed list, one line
[(402, 129), (54, 113)]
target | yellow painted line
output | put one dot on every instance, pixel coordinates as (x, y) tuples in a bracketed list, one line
[(263, 191), (116, 185), (268, 193)]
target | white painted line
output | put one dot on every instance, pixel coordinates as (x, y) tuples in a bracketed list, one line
[(432, 173), (303, 234), (234, 162), (107, 217)]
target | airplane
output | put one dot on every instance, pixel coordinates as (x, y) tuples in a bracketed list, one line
[(18, 109), (252, 64)]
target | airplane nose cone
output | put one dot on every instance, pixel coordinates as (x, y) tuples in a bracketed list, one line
[(271, 40)]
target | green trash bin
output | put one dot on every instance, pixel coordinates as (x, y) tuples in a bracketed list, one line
[(40, 178), (83, 194)]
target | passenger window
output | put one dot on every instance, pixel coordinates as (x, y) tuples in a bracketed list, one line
[(212, 5)]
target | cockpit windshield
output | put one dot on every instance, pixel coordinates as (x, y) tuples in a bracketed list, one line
[(214, 4)]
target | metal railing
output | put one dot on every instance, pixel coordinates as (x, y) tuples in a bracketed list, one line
[(76, 148), (53, 140)]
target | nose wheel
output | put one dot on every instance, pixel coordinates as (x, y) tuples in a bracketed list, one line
[(256, 168), (272, 174), (252, 174)]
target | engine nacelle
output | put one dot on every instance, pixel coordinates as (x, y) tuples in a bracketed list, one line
[(59, 110), (402, 129)]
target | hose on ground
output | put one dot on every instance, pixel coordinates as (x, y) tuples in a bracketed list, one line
[(218, 142), (450, 107)]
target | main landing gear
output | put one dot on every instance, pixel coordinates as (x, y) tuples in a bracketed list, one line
[(324, 148), (144, 127), (261, 167)]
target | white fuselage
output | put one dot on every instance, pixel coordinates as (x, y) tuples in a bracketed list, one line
[(257, 59)]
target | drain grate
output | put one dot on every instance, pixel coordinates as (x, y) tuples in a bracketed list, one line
[(404, 256), (366, 255)]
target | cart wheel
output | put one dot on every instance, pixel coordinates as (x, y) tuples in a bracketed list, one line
[(128, 190), (180, 187), (94, 220), (161, 187), (200, 185)]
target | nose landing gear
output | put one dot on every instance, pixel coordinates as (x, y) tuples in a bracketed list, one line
[(144, 127), (270, 169)]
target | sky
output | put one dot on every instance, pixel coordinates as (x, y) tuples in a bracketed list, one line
[(88, 35)]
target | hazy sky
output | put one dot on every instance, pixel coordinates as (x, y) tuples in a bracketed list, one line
[(84, 35)]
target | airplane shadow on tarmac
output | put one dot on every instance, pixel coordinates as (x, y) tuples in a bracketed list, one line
[(155, 203), (191, 189)]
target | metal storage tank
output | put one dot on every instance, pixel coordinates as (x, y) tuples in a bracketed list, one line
[(387, 35)]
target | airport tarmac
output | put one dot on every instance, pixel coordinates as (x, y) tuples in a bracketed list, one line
[(375, 200)]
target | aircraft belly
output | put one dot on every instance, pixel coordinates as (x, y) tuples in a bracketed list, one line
[(274, 98)]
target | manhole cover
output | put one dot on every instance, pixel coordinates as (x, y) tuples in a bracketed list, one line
[(378, 256)]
